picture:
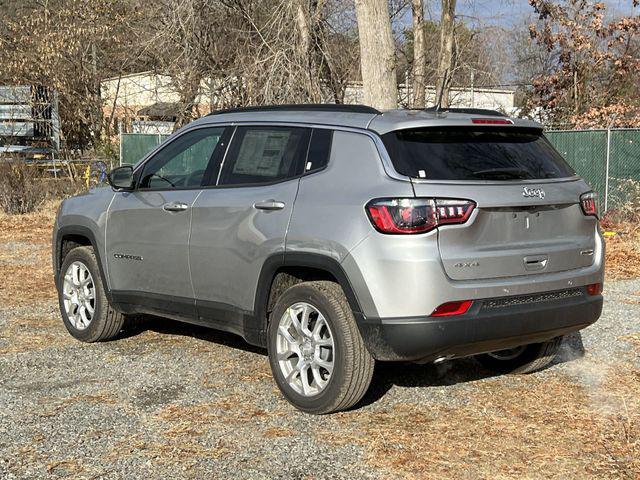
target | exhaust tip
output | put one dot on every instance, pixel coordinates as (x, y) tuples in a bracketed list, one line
[(442, 359)]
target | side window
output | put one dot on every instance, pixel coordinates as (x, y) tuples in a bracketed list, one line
[(319, 150), (264, 155), (183, 162)]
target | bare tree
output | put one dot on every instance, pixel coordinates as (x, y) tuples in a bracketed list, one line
[(377, 54), (69, 46), (419, 53), (338, 39), (594, 78), (311, 46), (446, 59)]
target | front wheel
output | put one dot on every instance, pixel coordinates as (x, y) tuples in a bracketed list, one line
[(316, 353), (523, 359), (85, 309)]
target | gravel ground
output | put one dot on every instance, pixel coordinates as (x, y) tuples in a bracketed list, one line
[(177, 401)]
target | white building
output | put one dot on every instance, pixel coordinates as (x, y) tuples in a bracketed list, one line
[(146, 102)]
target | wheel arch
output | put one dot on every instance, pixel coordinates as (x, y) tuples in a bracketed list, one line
[(281, 271), (69, 237)]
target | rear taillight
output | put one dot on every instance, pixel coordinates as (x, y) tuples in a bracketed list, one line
[(452, 308), (594, 289), (453, 211), (589, 203), (416, 215)]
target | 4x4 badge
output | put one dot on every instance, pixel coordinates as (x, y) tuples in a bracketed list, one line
[(532, 192)]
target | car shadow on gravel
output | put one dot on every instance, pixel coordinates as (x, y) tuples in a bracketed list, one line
[(173, 327), (449, 373), (403, 374), (386, 374)]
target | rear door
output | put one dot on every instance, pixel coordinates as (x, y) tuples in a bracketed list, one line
[(527, 219), (147, 238), (242, 220)]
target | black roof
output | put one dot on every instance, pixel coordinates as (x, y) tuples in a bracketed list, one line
[(303, 107)]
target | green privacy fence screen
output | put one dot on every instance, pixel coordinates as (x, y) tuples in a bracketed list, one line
[(608, 159), (134, 146)]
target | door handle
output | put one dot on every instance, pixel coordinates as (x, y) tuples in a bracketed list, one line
[(175, 207), (269, 205)]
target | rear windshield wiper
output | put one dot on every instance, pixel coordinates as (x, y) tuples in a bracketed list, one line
[(503, 173)]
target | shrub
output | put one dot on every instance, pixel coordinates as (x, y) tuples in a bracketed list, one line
[(20, 188), (624, 197)]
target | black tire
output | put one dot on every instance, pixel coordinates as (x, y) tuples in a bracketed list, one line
[(106, 322), (533, 357), (353, 364)]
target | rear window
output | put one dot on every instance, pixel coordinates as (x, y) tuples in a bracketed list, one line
[(462, 153)]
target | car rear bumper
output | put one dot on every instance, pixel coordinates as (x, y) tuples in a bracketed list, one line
[(489, 325)]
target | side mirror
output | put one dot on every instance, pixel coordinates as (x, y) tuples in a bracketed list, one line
[(121, 178)]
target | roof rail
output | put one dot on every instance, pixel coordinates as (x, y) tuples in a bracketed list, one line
[(302, 107), (471, 111)]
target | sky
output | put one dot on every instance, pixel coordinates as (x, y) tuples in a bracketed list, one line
[(507, 13)]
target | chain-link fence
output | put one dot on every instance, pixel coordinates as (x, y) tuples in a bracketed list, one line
[(608, 159), (134, 146)]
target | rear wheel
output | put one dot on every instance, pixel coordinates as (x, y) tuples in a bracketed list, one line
[(316, 353), (85, 309), (523, 359)]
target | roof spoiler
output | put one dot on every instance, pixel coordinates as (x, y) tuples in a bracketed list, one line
[(470, 111)]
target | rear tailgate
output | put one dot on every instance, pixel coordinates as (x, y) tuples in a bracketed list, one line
[(528, 219), (510, 234)]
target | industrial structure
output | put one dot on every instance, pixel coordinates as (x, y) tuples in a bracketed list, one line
[(29, 123)]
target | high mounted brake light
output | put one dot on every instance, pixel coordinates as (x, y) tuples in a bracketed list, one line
[(492, 121), (417, 215)]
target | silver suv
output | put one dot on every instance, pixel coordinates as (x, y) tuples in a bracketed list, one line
[(337, 235)]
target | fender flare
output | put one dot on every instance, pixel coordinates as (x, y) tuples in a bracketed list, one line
[(80, 231), (298, 259)]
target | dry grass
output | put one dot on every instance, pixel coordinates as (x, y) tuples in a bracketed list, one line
[(278, 432), (184, 432), (69, 467), (26, 279), (25, 257), (623, 250), (541, 427), (32, 227), (28, 336)]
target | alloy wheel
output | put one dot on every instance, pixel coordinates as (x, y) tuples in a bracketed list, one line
[(79, 295), (305, 349)]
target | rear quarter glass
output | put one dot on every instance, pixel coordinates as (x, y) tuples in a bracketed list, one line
[(475, 153)]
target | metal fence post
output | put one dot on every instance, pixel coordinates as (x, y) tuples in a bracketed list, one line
[(606, 173), (120, 135)]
